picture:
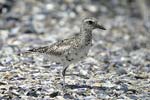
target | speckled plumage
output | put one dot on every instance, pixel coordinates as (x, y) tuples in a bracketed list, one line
[(72, 49), (65, 51)]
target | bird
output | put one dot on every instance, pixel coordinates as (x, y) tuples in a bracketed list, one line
[(72, 49)]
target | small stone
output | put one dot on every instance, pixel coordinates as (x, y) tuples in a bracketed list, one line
[(133, 97), (54, 94), (33, 93), (121, 71), (92, 8), (2, 83), (89, 98), (50, 6)]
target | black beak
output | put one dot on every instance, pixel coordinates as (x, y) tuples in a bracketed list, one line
[(101, 27)]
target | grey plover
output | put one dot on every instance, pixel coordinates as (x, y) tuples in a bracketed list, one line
[(73, 49)]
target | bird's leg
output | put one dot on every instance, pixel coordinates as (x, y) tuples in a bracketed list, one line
[(63, 74)]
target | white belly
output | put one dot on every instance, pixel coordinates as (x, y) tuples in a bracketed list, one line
[(72, 57)]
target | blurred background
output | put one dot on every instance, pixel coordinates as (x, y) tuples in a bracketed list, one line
[(60, 18), (123, 49)]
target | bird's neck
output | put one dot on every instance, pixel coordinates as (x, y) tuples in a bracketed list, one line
[(86, 35)]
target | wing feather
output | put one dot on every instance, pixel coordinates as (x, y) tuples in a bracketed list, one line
[(58, 48)]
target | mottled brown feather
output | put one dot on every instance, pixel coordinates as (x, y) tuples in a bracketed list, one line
[(59, 48)]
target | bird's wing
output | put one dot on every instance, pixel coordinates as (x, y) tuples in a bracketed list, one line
[(36, 50), (63, 47), (56, 49)]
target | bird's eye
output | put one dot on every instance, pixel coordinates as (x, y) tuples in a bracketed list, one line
[(90, 22)]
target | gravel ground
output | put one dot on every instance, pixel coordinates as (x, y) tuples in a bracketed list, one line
[(118, 64)]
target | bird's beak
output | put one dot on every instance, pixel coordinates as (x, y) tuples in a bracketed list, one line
[(101, 27)]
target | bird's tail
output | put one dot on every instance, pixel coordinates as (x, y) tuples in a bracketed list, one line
[(33, 50)]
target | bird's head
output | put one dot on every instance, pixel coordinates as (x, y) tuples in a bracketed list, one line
[(92, 23)]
